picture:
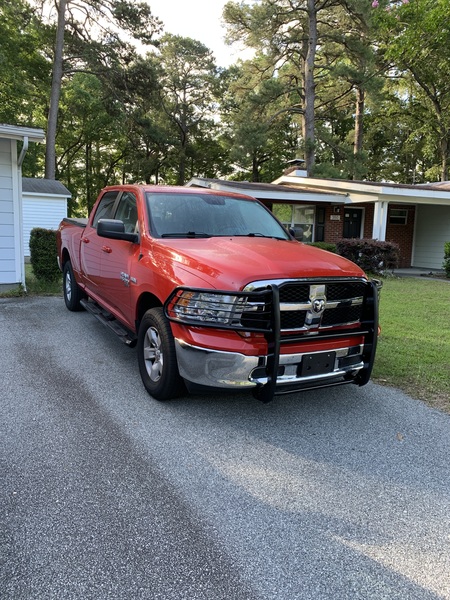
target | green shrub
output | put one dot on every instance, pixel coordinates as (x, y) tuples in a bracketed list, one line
[(371, 255), (324, 246), (43, 254), (446, 263)]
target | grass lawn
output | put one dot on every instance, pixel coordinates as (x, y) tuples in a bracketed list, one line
[(414, 347), (42, 288), (35, 287)]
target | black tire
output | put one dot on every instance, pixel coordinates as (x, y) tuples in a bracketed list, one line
[(157, 356), (72, 292)]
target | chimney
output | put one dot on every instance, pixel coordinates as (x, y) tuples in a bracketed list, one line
[(296, 168)]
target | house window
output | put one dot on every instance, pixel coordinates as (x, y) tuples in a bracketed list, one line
[(398, 216), (298, 218)]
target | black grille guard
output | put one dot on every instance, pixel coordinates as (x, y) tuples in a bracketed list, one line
[(368, 328)]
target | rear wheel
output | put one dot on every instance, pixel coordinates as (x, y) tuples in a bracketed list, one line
[(72, 292), (157, 356)]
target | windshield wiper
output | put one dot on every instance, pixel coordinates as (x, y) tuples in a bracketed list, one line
[(257, 234), (186, 234)]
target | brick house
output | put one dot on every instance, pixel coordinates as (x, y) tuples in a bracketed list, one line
[(417, 217)]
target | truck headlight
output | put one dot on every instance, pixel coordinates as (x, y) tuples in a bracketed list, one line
[(220, 309), (205, 306)]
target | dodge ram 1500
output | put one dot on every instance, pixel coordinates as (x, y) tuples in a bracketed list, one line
[(216, 293)]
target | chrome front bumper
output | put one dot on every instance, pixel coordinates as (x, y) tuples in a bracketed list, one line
[(213, 368)]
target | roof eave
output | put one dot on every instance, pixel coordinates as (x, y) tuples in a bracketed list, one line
[(278, 192), (14, 132), (371, 192)]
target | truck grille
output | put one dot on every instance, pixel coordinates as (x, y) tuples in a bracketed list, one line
[(312, 306), (300, 292), (286, 307)]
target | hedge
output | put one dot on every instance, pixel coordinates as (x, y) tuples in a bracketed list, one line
[(43, 253), (371, 255), (324, 246), (446, 263)]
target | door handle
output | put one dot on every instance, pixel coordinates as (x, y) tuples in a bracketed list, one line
[(106, 249), (85, 240)]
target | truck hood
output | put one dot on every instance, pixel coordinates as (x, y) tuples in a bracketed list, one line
[(233, 262)]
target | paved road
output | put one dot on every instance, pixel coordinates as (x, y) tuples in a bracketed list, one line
[(106, 493)]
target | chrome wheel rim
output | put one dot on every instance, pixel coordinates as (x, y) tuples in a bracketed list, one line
[(68, 286), (153, 355)]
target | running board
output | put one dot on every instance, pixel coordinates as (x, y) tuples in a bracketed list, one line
[(106, 318)]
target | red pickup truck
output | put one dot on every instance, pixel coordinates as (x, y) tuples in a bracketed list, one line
[(216, 293)]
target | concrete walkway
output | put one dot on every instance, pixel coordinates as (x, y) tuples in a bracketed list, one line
[(418, 272)]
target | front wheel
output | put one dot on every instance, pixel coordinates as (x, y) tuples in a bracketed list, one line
[(157, 356), (72, 292)]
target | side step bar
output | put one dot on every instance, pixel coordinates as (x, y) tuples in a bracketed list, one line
[(106, 318)]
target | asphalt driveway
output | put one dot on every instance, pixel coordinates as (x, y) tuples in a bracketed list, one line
[(107, 493)]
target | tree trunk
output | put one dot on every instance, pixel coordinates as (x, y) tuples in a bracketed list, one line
[(88, 178), (183, 127), (310, 91), (444, 160), (182, 166), (52, 121), (359, 118), (358, 140), (255, 169)]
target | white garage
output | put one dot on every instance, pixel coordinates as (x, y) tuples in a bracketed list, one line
[(431, 232), (44, 205)]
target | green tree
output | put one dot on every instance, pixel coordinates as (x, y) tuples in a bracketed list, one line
[(188, 87), (260, 132), (399, 147), (24, 69), (349, 75), (148, 133), (415, 38), (77, 20), (89, 145), (292, 35)]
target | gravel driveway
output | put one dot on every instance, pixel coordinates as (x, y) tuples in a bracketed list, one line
[(107, 493)]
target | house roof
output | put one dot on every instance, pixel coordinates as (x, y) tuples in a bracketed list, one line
[(44, 186), (14, 132), (295, 187), (370, 191), (270, 191)]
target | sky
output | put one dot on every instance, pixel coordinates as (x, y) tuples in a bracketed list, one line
[(199, 20)]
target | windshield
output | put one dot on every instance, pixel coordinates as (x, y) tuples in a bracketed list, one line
[(207, 215)]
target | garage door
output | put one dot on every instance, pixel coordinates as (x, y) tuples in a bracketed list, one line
[(39, 212), (432, 231)]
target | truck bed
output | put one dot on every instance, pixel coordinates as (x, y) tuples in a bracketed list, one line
[(78, 221)]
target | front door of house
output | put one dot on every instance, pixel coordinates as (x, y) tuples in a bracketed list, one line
[(352, 222)]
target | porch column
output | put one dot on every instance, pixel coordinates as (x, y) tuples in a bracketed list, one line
[(380, 220)]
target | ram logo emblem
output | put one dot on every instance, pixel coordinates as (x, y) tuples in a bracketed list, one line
[(318, 306)]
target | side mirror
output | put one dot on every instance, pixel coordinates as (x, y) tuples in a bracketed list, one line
[(115, 230)]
